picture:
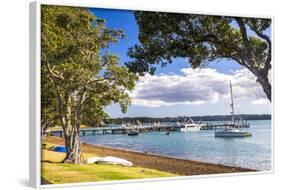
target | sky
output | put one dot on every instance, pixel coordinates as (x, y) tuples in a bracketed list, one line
[(178, 90)]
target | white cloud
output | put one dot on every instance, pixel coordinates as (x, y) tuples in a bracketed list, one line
[(260, 101), (196, 87)]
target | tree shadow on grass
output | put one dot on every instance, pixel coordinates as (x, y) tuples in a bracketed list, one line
[(50, 162)]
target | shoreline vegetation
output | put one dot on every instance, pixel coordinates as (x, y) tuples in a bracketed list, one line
[(182, 118), (145, 165)]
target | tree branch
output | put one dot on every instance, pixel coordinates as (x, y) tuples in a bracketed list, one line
[(260, 34), (60, 102), (47, 124), (243, 31), (53, 73), (267, 65)]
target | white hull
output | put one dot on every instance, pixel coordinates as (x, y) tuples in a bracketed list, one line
[(232, 133), (109, 160), (190, 128)]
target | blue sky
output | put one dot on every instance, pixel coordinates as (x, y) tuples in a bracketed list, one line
[(163, 106)]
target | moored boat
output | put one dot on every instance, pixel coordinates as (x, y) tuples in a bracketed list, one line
[(133, 133), (229, 130), (190, 125)]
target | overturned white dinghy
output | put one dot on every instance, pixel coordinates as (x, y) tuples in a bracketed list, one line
[(109, 160), (92, 160), (114, 160)]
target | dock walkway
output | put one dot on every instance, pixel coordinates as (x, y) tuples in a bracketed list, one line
[(141, 129)]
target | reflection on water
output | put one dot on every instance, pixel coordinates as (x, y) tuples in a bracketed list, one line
[(251, 152)]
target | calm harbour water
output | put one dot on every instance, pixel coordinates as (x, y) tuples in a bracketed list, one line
[(251, 152)]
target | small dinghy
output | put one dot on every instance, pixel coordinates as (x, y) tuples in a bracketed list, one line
[(92, 160), (109, 160), (59, 149), (133, 133)]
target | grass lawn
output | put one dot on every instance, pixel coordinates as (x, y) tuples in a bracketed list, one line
[(56, 172)]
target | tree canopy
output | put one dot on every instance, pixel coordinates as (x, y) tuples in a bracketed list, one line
[(79, 76), (202, 39)]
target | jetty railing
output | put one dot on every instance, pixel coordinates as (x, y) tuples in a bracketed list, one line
[(140, 128)]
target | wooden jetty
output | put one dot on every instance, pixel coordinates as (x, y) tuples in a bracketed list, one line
[(118, 130), (141, 129)]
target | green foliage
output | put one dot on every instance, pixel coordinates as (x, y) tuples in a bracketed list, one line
[(198, 38), (49, 105), (207, 118), (73, 65)]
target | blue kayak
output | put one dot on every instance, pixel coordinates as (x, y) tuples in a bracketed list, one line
[(59, 149)]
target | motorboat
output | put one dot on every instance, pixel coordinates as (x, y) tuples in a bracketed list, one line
[(190, 125)]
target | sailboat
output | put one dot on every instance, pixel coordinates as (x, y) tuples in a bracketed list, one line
[(230, 131)]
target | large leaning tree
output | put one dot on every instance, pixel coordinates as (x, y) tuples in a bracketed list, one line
[(201, 39), (79, 76)]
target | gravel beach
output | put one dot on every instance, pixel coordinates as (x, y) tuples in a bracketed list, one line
[(174, 165)]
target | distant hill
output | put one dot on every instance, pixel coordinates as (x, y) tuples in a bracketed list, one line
[(182, 118)]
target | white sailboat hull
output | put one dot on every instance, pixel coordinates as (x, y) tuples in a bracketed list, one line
[(232, 133)]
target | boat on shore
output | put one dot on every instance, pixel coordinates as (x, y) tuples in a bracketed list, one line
[(229, 130)]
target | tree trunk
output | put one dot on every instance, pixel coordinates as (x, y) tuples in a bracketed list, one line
[(71, 135), (262, 78), (72, 144), (264, 81)]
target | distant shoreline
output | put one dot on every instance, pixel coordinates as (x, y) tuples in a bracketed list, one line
[(203, 118), (163, 163)]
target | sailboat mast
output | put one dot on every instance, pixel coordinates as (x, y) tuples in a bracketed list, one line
[(232, 105)]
